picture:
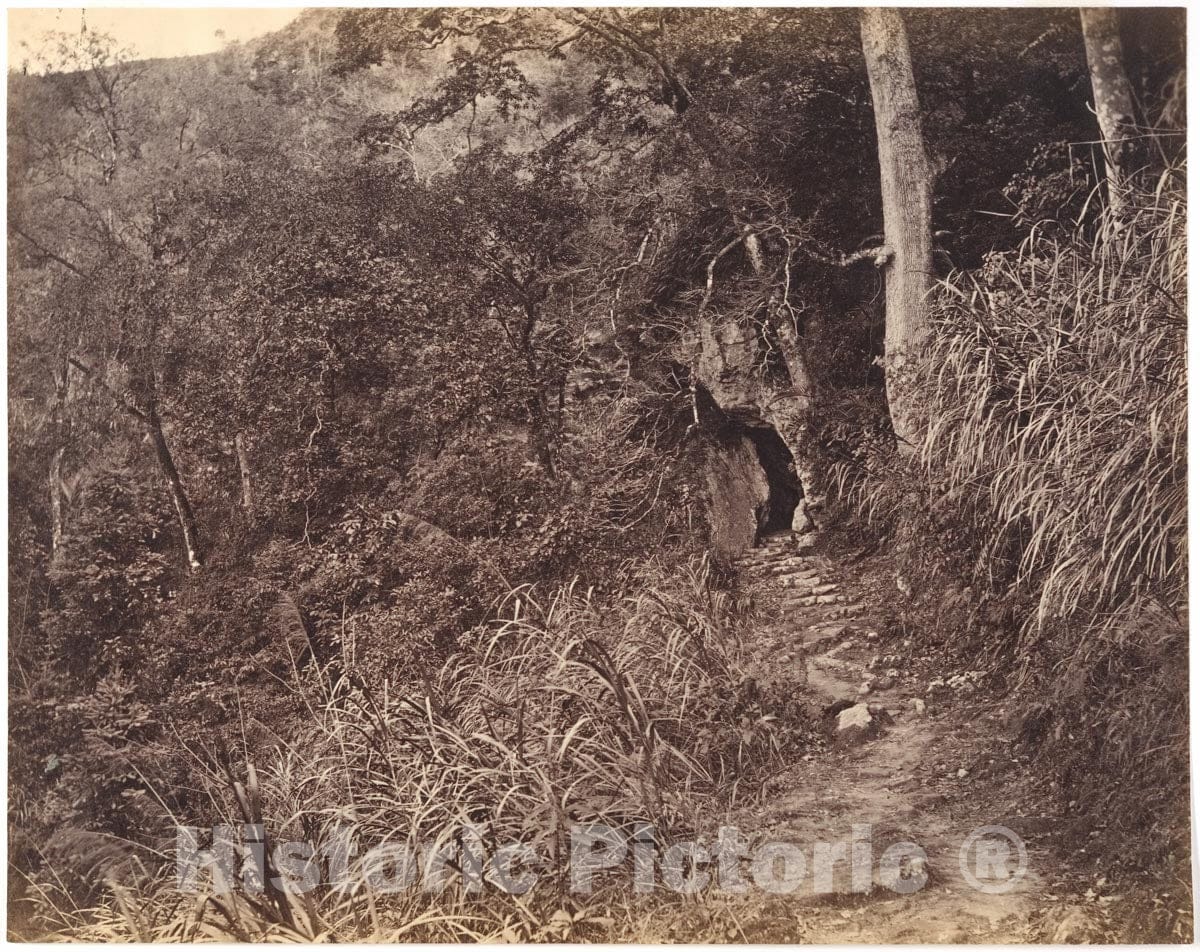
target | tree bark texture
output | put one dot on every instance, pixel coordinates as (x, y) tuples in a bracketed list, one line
[(1113, 96), (57, 517), (906, 180), (58, 427)]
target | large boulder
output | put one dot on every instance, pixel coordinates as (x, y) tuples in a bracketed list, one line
[(737, 487)]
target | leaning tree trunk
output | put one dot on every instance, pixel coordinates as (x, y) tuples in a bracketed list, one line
[(57, 517), (183, 508), (906, 180), (1113, 95), (145, 411)]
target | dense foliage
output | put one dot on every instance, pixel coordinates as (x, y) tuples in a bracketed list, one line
[(350, 400)]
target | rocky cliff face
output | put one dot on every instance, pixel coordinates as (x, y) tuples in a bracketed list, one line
[(737, 490), (751, 417), (730, 362)]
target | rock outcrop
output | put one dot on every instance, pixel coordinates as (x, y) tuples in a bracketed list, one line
[(754, 431), (730, 362), (737, 490)]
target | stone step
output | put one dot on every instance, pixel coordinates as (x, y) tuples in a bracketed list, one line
[(792, 592), (759, 555), (777, 552), (787, 541), (843, 611), (818, 635), (769, 552), (789, 595), (793, 582), (779, 573), (780, 567), (809, 571), (792, 560), (771, 555), (775, 548), (799, 601)]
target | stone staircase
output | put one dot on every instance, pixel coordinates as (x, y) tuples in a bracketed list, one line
[(788, 572), (887, 764)]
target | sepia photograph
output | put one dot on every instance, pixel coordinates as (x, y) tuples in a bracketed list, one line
[(623, 475)]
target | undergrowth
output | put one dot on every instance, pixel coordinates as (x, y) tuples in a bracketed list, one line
[(1051, 488), (636, 715), (1059, 408)]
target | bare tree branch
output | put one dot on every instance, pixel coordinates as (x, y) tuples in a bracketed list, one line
[(120, 401), (46, 252)]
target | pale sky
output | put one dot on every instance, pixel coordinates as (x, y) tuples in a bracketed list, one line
[(151, 31)]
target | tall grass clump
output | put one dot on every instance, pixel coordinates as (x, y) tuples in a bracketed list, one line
[(1058, 411), (1057, 438), (636, 714)]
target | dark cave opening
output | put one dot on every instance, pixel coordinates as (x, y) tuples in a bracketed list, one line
[(783, 486)]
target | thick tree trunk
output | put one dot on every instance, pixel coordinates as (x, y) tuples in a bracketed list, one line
[(539, 413), (539, 417), (243, 458), (183, 508), (1113, 95), (906, 179)]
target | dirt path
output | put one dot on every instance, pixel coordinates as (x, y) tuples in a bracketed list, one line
[(926, 773)]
